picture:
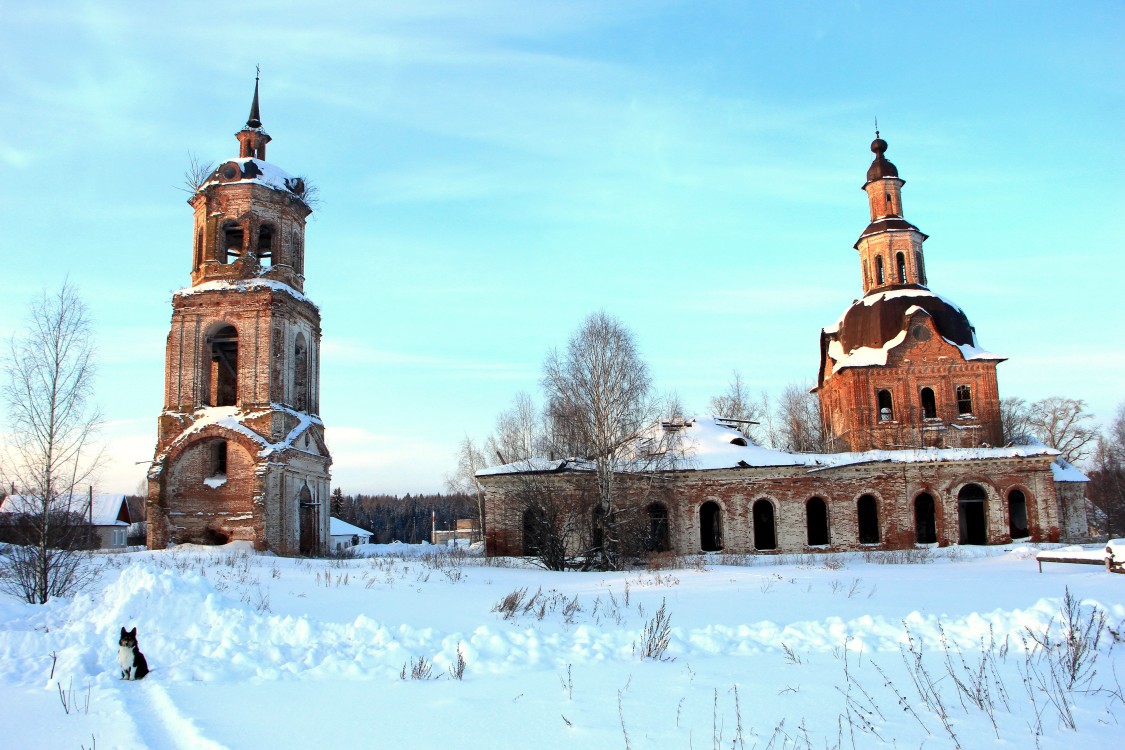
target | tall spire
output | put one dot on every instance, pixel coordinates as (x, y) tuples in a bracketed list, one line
[(255, 120), (252, 139)]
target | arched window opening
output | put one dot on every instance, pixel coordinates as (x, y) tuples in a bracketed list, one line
[(739, 441), (925, 519), (919, 267), (533, 530), (265, 246), (216, 473), (198, 258), (658, 539), (964, 400), (879, 277), (765, 535), (900, 262), (1017, 515), (971, 514), (710, 527), (233, 240), (867, 512), (816, 521), (886, 406), (309, 519), (223, 381), (929, 404), (300, 374), (597, 529)]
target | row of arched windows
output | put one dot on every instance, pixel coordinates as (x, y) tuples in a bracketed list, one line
[(972, 500), (972, 520), (234, 244), (886, 409)]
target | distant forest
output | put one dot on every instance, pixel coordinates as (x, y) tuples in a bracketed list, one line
[(392, 518)]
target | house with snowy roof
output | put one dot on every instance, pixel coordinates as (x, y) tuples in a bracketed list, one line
[(908, 398), (107, 514), (344, 535)]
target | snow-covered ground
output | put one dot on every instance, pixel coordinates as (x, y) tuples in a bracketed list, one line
[(252, 651)]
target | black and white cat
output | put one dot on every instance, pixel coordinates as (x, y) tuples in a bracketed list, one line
[(132, 661)]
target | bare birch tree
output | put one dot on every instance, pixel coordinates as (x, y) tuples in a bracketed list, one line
[(737, 404), (798, 421), (470, 460), (1015, 421), (602, 388), (1065, 425), (48, 377), (517, 434)]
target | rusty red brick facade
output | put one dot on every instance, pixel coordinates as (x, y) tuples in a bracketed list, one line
[(240, 452), (904, 387)]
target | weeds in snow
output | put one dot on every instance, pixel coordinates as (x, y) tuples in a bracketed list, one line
[(71, 702), (457, 669), (657, 635), (420, 669)]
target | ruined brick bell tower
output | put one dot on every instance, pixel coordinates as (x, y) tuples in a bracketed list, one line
[(240, 453), (902, 367)]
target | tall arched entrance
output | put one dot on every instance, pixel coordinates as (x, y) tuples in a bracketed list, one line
[(765, 535), (925, 519), (972, 514), (710, 527)]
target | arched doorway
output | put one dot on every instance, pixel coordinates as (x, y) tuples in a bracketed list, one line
[(658, 536), (309, 518), (710, 527), (867, 514), (972, 514), (765, 535), (925, 519), (816, 521), (1017, 515)]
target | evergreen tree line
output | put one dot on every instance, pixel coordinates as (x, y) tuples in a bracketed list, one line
[(409, 518)]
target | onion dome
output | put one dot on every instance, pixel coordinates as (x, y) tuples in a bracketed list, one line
[(879, 317), (880, 168)]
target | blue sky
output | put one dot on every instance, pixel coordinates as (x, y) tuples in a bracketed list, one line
[(492, 172)]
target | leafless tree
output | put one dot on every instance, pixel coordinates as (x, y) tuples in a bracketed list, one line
[(601, 389), (470, 460), (1065, 425), (196, 174), (48, 377), (798, 422), (1015, 419), (738, 404), (517, 436), (1106, 490)]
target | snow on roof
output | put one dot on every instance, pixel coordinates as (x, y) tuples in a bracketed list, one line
[(862, 356), (268, 175), (106, 510), (707, 444), (872, 298), (1064, 471), (243, 285), (537, 466), (343, 528), (233, 418)]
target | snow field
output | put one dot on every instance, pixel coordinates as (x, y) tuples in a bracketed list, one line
[(259, 651)]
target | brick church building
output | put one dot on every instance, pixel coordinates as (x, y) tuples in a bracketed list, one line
[(240, 452), (909, 400)]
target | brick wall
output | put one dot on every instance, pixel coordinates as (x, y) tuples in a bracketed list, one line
[(894, 487)]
